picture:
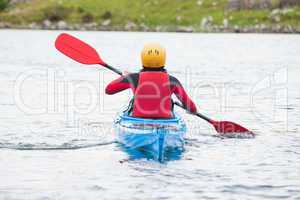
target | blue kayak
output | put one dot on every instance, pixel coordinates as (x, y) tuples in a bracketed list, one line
[(154, 136)]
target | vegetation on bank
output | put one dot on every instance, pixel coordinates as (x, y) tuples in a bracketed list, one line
[(149, 15), (3, 4)]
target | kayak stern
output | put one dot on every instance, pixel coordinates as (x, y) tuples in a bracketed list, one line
[(152, 136)]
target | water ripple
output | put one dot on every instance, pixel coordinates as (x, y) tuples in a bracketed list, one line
[(43, 146)]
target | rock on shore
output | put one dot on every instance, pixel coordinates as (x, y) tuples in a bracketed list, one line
[(203, 27)]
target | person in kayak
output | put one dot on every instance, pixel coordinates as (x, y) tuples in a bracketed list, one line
[(152, 86)]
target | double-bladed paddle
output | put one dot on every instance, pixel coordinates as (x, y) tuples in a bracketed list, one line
[(85, 54)]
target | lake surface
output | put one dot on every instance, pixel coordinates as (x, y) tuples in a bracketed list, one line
[(56, 136)]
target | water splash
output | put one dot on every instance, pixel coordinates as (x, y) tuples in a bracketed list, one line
[(238, 135)]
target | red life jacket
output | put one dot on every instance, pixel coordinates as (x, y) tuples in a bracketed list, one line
[(152, 97)]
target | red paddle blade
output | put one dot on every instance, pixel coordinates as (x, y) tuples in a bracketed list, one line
[(231, 129), (77, 50)]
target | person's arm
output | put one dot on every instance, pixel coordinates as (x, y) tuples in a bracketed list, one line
[(181, 94), (120, 84), (117, 85)]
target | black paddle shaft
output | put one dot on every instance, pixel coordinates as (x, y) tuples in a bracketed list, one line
[(196, 114), (113, 69)]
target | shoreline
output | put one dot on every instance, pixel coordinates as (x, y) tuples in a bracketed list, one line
[(174, 29), (190, 16)]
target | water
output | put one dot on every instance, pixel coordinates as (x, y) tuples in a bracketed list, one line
[(56, 137)]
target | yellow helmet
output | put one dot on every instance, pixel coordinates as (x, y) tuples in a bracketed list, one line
[(153, 56)]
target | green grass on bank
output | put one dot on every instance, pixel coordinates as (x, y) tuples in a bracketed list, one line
[(150, 13), (3, 4)]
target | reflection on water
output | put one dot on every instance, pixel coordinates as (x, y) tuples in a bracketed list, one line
[(138, 154)]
